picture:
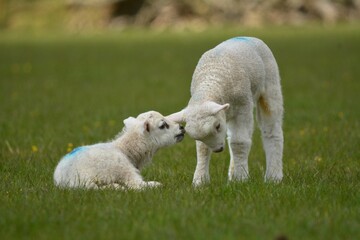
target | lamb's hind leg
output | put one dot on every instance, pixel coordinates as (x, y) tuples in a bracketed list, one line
[(201, 174), (269, 116), (239, 139)]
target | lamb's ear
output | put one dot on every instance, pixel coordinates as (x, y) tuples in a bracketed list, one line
[(146, 126), (130, 122), (215, 108), (178, 117)]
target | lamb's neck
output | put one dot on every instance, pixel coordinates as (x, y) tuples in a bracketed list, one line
[(207, 91), (136, 147)]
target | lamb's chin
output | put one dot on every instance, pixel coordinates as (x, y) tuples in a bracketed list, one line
[(179, 137)]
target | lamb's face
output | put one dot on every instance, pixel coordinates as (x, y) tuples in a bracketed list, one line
[(162, 131), (205, 122), (207, 127)]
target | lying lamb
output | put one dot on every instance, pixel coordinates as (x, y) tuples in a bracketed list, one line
[(234, 76), (117, 164)]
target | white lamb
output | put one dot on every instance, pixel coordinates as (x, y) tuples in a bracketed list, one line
[(117, 164), (228, 81)]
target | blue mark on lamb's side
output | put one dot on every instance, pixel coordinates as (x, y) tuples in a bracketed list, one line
[(75, 151)]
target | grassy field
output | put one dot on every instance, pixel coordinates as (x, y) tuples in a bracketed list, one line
[(59, 91)]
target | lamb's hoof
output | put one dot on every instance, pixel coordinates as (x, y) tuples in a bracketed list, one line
[(274, 178), (243, 177), (117, 186), (153, 184), (114, 186), (199, 182)]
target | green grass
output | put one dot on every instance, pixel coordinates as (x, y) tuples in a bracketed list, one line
[(59, 89)]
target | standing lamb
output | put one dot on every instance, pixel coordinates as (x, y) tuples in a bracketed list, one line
[(228, 81), (117, 164)]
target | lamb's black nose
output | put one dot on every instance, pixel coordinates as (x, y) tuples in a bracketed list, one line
[(182, 129)]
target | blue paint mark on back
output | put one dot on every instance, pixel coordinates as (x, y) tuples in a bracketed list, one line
[(75, 151), (245, 39)]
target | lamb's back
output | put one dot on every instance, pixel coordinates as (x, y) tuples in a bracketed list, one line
[(232, 67)]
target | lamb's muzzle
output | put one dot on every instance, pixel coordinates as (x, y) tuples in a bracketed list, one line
[(179, 137)]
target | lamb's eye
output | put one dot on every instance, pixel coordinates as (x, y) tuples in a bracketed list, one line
[(164, 125), (218, 127)]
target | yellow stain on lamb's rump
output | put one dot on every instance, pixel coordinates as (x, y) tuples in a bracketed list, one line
[(264, 105)]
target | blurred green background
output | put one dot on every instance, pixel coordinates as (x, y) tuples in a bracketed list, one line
[(71, 71)]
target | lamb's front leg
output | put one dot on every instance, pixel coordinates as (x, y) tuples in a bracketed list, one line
[(201, 175), (239, 139), (133, 180), (141, 185)]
